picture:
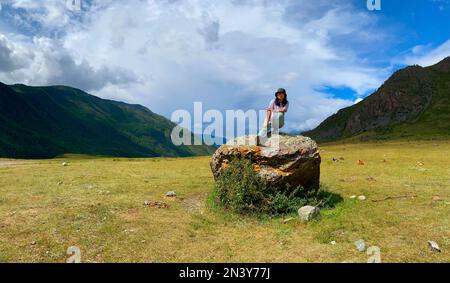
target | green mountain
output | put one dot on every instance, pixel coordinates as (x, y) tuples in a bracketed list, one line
[(44, 122), (414, 103)]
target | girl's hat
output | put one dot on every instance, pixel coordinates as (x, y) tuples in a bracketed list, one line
[(281, 90)]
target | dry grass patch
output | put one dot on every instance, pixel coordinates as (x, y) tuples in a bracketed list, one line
[(98, 205)]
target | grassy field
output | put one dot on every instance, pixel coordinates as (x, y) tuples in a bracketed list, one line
[(97, 204)]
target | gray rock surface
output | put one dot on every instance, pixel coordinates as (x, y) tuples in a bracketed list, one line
[(360, 245), (434, 247), (281, 160), (308, 213), (171, 194)]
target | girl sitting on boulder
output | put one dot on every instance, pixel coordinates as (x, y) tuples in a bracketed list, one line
[(275, 114)]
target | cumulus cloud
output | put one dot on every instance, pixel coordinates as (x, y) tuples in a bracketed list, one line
[(426, 55), (46, 62), (227, 54), (12, 56), (58, 66)]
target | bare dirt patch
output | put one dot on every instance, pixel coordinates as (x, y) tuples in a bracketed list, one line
[(130, 215), (12, 163), (195, 203)]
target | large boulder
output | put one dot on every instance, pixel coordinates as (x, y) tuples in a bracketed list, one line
[(281, 160)]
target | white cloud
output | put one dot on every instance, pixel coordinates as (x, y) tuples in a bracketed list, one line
[(358, 100), (425, 55), (12, 55), (228, 54)]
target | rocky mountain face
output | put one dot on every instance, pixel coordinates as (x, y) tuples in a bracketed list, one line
[(409, 101)]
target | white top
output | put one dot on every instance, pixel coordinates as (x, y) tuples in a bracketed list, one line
[(274, 106)]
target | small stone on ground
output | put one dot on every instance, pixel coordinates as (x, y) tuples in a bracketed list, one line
[(308, 213), (434, 247), (360, 245), (171, 194)]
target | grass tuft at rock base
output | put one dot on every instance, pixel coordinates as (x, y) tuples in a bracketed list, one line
[(241, 190)]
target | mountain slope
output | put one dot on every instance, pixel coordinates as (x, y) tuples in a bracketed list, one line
[(413, 103), (43, 122)]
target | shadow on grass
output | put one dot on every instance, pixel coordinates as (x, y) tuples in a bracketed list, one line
[(327, 198), (323, 199)]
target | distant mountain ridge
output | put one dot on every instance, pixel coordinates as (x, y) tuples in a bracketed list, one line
[(413, 103), (44, 122)]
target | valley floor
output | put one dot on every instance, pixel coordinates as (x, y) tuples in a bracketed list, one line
[(97, 204)]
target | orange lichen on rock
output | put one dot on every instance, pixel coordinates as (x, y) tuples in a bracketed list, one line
[(256, 168), (244, 150), (285, 160), (225, 163)]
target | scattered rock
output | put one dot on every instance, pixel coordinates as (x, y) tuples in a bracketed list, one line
[(360, 245), (33, 243), (171, 194), (295, 161), (420, 163), (308, 213), (333, 243), (362, 198), (288, 220), (353, 197), (158, 204), (65, 164), (434, 247), (60, 183)]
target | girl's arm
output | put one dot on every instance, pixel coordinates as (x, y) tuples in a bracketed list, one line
[(282, 110), (269, 110)]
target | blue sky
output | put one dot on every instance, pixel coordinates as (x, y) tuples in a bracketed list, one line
[(227, 54)]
